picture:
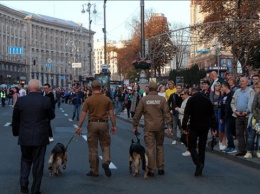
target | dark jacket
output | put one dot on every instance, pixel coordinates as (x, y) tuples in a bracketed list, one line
[(32, 114), (199, 111), (51, 96), (226, 110)]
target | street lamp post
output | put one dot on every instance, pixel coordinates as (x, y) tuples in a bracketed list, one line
[(218, 52), (89, 5)]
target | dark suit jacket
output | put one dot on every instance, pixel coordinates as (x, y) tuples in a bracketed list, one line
[(32, 114), (199, 110)]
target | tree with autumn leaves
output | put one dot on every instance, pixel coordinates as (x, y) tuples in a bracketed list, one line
[(160, 50), (235, 24)]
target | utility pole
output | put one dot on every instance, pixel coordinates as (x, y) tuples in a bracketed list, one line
[(105, 34), (142, 30)]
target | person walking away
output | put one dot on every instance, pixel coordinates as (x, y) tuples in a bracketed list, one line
[(76, 100), (227, 118), (239, 105), (117, 100), (256, 115), (98, 107), (155, 111), (33, 136), (185, 96), (200, 114), (49, 93), (3, 97), (22, 91), (251, 132)]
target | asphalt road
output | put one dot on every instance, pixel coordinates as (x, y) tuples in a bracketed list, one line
[(220, 175)]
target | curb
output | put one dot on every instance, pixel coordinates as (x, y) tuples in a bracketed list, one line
[(234, 158)]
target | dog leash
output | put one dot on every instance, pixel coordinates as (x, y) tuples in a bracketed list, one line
[(70, 140)]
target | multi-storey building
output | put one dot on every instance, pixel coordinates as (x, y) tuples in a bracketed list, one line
[(111, 58), (209, 55), (50, 46)]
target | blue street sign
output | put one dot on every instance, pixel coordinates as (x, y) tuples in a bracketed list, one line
[(62, 76), (15, 50), (48, 65)]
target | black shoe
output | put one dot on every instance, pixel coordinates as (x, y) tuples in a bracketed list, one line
[(92, 174), (160, 172), (24, 189), (150, 174), (106, 169), (199, 170), (241, 154)]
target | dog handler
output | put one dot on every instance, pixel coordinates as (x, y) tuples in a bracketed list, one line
[(155, 110), (98, 106)]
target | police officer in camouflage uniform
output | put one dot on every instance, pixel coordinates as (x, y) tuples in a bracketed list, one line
[(98, 107), (156, 112)]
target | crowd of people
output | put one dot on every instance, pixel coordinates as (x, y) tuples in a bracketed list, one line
[(227, 107)]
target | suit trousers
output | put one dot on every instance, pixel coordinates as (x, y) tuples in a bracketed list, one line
[(202, 134), (154, 139), (98, 131), (241, 133), (32, 156)]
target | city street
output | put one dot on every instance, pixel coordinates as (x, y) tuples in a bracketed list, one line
[(220, 175)]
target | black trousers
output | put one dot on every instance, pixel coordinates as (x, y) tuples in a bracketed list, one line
[(32, 156), (50, 130), (198, 157)]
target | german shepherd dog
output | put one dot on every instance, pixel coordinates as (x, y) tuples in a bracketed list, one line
[(137, 155), (57, 158)]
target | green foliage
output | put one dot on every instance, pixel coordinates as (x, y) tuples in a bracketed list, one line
[(191, 75)]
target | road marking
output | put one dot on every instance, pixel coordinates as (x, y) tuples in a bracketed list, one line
[(7, 124), (111, 165), (76, 126), (85, 137), (70, 120), (66, 115)]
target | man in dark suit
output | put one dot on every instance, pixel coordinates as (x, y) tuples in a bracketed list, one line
[(32, 114), (200, 114)]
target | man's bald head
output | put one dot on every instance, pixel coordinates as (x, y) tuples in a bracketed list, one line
[(34, 85)]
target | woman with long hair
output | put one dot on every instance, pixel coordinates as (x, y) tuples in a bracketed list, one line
[(15, 95), (216, 99)]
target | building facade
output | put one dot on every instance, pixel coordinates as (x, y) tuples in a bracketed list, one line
[(111, 58), (49, 45), (208, 55)]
